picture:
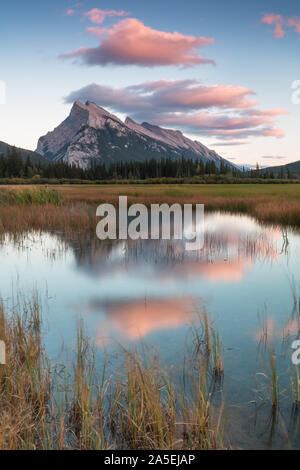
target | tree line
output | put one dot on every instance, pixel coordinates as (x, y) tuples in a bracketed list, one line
[(12, 165)]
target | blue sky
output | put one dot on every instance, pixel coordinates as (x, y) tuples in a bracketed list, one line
[(34, 35)]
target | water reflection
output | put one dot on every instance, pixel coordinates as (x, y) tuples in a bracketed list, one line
[(151, 290), (232, 245), (136, 319)]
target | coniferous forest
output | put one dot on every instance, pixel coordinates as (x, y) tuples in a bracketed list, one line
[(14, 166)]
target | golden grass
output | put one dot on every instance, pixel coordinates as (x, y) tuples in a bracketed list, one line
[(275, 204), (17, 219), (48, 406)]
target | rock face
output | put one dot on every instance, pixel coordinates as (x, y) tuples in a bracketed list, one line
[(92, 135)]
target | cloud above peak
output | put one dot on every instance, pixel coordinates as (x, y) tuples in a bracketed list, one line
[(223, 111), (131, 42)]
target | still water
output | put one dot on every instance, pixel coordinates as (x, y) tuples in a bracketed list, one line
[(246, 277)]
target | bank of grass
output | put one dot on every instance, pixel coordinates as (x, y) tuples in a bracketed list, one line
[(276, 204), (47, 406), (42, 209), (72, 207), (29, 196)]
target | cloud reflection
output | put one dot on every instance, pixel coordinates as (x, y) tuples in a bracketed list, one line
[(137, 319)]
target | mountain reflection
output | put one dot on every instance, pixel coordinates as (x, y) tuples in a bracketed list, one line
[(149, 286), (232, 245)]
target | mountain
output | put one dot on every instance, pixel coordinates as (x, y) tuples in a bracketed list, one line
[(291, 169), (90, 134), (34, 157)]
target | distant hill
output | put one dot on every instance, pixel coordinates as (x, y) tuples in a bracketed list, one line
[(34, 156), (290, 169)]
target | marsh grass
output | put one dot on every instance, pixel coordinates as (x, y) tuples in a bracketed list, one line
[(43, 406), (207, 344), (152, 412), (73, 208), (25, 383), (274, 204), (54, 406), (272, 380), (71, 221), (36, 209), (145, 414), (22, 197), (295, 387)]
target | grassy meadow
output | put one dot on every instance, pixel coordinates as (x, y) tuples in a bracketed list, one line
[(72, 206)]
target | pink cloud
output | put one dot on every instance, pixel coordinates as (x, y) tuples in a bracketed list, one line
[(277, 20), (219, 270), (96, 30), (139, 318), (165, 96), (130, 42), (200, 96), (267, 112), (245, 133), (210, 120), (70, 12), (294, 22), (223, 111), (98, 16), (279, 133), (228, 144)]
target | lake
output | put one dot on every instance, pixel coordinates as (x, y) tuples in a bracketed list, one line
[(149, 292)]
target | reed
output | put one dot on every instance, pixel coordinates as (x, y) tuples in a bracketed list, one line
[(272, 380), (295, 386), (41, 407), (22, 197), (72, 208), (269, 203), (217, 354), (207, 344), (25, 383), (151, 413), (54, 406), (203, 424), (146, 403), (72, 221)]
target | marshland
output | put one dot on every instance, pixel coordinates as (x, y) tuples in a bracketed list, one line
[(141, 345)]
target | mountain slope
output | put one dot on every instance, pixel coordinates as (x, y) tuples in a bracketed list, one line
[(90, 135), (34, 157), (291, 169)]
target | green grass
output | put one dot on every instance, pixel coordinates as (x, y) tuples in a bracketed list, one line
[(244, 191), (22, 197)]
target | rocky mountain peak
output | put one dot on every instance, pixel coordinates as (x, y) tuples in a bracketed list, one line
[(91, 134)]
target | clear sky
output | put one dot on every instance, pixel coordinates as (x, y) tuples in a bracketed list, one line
[(220, 71)]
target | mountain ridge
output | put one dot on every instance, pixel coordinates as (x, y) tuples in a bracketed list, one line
[(91, 135), (34, 156), (291, 169)]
